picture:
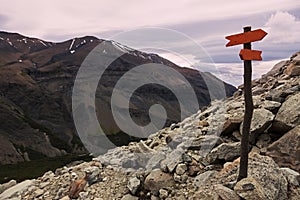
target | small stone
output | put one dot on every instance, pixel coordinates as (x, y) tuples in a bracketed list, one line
[(193, 170), (65, 198), (226, 193), (237, 135), (133, 185), (38, 193), (154, 197), (43, 185), (203, 179), (263, 140), (104, 179), (227, 164), (184, 178), (203, 124), (93, 174), (181, 169), (177, 178), (180, 179), (74, 176), (186, 158), (231, 125), (157, 180), (173, 126), (84, 195), (129, 197), (163, 193)]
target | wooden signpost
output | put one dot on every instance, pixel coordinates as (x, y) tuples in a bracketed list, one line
[(247, 55)]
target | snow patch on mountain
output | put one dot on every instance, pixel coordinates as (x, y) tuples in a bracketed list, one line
[(72, 43)]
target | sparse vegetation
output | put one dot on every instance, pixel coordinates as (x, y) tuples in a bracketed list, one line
[(35, 168)]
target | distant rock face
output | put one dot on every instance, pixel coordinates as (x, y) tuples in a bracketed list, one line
[(36, 81)]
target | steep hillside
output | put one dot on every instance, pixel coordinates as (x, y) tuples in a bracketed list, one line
[(36, 80), (197, 158)]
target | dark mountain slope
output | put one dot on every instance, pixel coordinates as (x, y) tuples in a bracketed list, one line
[(36, 80)]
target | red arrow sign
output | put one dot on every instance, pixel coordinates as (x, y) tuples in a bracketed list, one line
[(247, 54), (246, 37)]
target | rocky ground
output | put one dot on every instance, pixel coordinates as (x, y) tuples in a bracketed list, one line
[(197, 158)]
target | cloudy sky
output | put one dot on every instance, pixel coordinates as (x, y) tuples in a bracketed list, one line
[(206, 22)]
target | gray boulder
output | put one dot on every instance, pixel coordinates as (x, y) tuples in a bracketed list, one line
[(7, 185), (249, 188), (157, 180), (134, 185), (261, 120), (293, 69), (272, 106), (292, 176), (267, 175), (204, 178), (288, 115), (225, 151), (15, 190), (285, 151), (129, 197)]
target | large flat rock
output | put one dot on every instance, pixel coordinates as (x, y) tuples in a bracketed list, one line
[(288, 115), (286, 150), (13, 191)]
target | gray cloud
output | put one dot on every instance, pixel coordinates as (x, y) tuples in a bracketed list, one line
[(207, 23), (4, 19), (42, 18)]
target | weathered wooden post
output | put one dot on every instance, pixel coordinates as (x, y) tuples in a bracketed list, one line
[(247, 55)]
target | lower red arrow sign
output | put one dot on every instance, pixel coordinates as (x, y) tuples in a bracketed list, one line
[(247, 54)]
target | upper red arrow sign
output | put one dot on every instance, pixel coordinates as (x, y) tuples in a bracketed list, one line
[(246, 37)]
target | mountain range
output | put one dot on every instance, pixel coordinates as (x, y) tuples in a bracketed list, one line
[(36, 81)]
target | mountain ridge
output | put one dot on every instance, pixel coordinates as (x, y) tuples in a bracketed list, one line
[(36, 80)]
